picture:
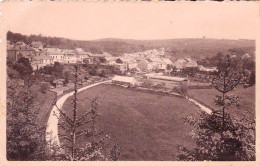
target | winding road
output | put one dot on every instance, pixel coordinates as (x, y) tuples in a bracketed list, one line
[(52, 125)]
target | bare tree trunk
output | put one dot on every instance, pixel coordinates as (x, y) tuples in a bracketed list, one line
[(74, 115), (223, 112)]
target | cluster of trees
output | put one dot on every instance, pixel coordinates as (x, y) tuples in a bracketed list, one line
[(47, 41), (99, 46), (246, 65), (221, 136), (26, 133)]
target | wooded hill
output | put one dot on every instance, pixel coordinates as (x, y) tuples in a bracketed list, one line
[(194, 47)]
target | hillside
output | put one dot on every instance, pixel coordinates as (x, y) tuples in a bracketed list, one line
[(176, 48)]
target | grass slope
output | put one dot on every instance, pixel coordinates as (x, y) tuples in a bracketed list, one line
[(148, 126), (247, 99)]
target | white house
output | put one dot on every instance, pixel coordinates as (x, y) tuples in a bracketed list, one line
[(129, 62), (56, 54), (41, 61), (70, 58)]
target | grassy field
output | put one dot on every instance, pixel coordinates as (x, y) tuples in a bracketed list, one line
[(148, 126), (247, 99)]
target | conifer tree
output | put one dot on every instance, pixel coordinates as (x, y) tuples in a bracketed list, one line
[(81, 128)]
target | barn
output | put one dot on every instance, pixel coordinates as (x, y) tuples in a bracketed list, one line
[(123, 80)]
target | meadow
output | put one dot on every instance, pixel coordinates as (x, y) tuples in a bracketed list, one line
[(246, 99), (147, 126)]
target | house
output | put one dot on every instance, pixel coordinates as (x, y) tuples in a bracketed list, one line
[(56, 54), (38, 62), (145, 65), (167, 61), (185, 62), (70, 58), (130, 63), (110, 60), (81, 55), (121, 66), (123, 80), (246, 56), (19, 50), (158, 63)]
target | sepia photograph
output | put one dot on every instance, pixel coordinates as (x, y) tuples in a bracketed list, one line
[(124, 81)]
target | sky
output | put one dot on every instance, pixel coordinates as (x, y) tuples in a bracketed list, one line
[(142, 20)]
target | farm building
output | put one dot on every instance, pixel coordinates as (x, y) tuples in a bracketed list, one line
[(123, 80)]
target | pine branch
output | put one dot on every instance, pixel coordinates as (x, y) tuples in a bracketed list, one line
[(65, 137), (85, 132), (82, 118), (83, 123), (65, 123), (68, 119)]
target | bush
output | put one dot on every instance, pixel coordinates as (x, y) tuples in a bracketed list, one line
[(44, 88), (235, 143)]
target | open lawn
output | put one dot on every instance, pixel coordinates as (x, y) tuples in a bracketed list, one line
[(148, 126), (247, 99)]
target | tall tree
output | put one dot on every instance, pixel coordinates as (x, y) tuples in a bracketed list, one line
[(220, 136), (226, 81), (81, 128)]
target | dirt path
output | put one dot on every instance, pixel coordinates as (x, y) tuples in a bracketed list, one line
[(202, 107), (52, 125)]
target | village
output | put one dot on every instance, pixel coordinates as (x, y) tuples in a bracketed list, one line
[(150, 67), (129, 82)]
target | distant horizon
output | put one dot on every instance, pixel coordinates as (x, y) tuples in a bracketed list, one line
[(114, 38)]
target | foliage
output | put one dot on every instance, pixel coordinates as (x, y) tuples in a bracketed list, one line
[(115, 152), (13, 74), (44, 88), (23, 67), (218, 136), (25, 136), (236, 142), (56, 70), (67, 77)]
